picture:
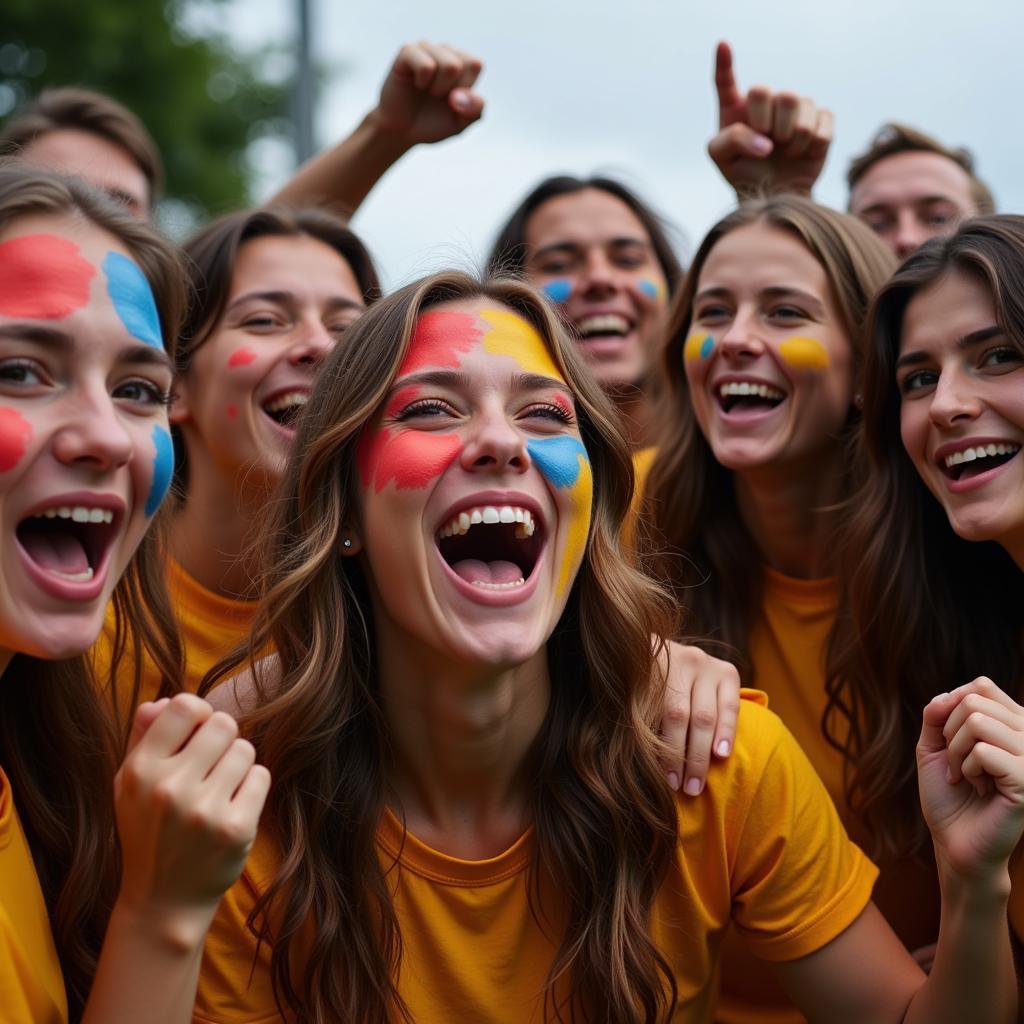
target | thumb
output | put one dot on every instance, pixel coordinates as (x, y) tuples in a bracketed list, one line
[(145, 715), (466, 104), (936, 713), (736, 142)]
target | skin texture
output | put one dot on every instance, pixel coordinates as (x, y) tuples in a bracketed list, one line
[(592, 255), (80, 411), (908, 198), (96, 160), (958, 396)]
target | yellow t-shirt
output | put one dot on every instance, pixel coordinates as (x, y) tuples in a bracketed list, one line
[(762, 847), (210, 626), (31, 983), (787, 649)]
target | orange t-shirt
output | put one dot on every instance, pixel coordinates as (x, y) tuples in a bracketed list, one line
[(31, 983), (762, 848)]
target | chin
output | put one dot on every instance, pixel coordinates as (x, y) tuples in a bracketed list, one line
[(502, 647)]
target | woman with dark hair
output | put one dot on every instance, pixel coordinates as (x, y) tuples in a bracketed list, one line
[(469, 820), (90, 304), (933, 592), (603, 257)]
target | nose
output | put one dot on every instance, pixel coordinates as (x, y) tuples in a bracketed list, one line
[(742, 339), (312, 343), (953, 400), (495, 445), (598, 278), (910, 233), (94, 435)]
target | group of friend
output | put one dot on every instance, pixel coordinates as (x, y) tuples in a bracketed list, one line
[(379, 658)]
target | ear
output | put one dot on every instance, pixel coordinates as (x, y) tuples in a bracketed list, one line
[(179, 411), (349, 542)]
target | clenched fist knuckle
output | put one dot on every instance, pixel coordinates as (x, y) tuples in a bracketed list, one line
[(676, 717)]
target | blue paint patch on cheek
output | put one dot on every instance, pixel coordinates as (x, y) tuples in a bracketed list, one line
[(132, 297), (163, 469), (649, 288), (707, 346), (558, 458), (558, 291)]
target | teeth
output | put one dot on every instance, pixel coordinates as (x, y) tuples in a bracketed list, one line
[(77, 514), (489, 515), (981, 451), (287, 401), (75, 577), (745, 388), (500, 586), (607, 323)]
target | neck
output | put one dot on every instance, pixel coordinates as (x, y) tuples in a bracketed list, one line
[(635, 413), (461, 736), (790, 513)]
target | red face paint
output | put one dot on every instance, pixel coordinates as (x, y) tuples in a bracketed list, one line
[(439, 339), (43, 277), (15, 432), (410, 458), (242, 357), (232, 411), (563, 403)]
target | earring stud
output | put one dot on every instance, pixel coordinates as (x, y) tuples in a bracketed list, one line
[(347, 542)]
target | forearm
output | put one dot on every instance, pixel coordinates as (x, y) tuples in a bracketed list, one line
[(148, 968), (340, 178), (973, 976)]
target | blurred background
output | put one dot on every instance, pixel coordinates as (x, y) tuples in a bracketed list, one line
[(579, 86)]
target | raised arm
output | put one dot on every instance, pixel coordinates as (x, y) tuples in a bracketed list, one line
[(428, 96), (767, 141)]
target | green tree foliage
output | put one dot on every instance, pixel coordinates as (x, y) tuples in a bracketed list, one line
[(204, 102)]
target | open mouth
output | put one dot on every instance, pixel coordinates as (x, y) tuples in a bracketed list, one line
[(603, 327), (490, 546), (69, 542), (747, 396), (971, 462), (284, 408)]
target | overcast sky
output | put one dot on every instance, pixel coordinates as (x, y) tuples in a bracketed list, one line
[(626, 89)]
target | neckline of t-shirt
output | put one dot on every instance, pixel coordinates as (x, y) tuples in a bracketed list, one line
[(201, 598), (415, 855), (821, 590)]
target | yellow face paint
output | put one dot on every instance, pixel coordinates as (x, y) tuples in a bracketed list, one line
[(804, 353), (510, 335), (699, 345)]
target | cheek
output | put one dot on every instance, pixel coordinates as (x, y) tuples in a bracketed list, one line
[(15, 434), (559, 290), (806, 354), (653, 289), (241, 357), (411, 459), (699, 347), (162, 470)]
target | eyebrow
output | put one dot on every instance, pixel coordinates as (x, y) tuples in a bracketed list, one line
[(284, 298), (967, 341), (883, 206), (775, 292), (572, 247), (538, 382), (454, 379), (50, 337)]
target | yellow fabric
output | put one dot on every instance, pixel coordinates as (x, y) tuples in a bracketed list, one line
[(761, 847), (31, 984), (642, 462), (787, 650), (210, 626)]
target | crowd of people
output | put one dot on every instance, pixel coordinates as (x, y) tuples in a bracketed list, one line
[(598, 639)]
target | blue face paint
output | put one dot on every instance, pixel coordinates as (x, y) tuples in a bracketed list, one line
[(132, 297), (707, 346), (163, 469), (558, 291), (649, 288), (558, 458)]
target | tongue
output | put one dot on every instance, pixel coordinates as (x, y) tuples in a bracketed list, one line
[(472, 570), (56, 552)]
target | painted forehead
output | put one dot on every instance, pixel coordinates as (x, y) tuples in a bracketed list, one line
[(48, 277), (443, 337)]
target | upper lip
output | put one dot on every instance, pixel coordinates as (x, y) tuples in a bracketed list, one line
[(304, 387), (497, 499), (947, 449)]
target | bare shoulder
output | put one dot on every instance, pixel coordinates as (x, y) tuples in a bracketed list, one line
[(238, 695)]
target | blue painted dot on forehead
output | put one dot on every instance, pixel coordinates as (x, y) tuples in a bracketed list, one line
[(558, 458), (163, 469), (559, 290), (132, 297)]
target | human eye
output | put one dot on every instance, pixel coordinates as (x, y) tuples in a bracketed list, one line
[(552, 411), (917, 382), (264, 321), (789, 312), (425, 408), (1001, 358), (143, 393), (20, 372), (712, 312)]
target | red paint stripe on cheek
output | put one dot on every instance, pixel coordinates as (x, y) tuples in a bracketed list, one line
[(242, 357), (232, 411), (15, 434), (409, 458), (43, 277), (440, 339)]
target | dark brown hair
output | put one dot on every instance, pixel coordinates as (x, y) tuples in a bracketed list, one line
[(86, 111), (508, 254), (605, 821), (57, 741), (691, 521), (921, 609), (893, 138)]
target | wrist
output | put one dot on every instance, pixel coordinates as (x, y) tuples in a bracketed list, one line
[(982, 891), (379, 138), (175, 930)]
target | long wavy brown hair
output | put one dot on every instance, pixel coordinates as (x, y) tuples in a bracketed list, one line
[(58, 745), (921, 609), (691, 528), (605, 821)]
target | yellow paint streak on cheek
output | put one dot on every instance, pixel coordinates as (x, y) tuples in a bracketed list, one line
[(510, 335), (804, 353), (581, 496), (699, 345)]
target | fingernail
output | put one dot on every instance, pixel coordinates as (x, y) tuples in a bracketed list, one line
[(693, 787), (460, 100), (723, 748), (760, 144), (673, 780)]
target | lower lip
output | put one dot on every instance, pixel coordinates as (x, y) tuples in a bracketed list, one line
[(980, 480), (494, 598), (606, 346), (288, 433), (63, 589)]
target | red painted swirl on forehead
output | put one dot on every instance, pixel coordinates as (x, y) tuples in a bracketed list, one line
[(43, 277), (439, 339)]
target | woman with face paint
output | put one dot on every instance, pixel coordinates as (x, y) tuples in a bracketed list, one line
[(603, 257), (87, 297), (469, 821), (939, 511), (761, 360)]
